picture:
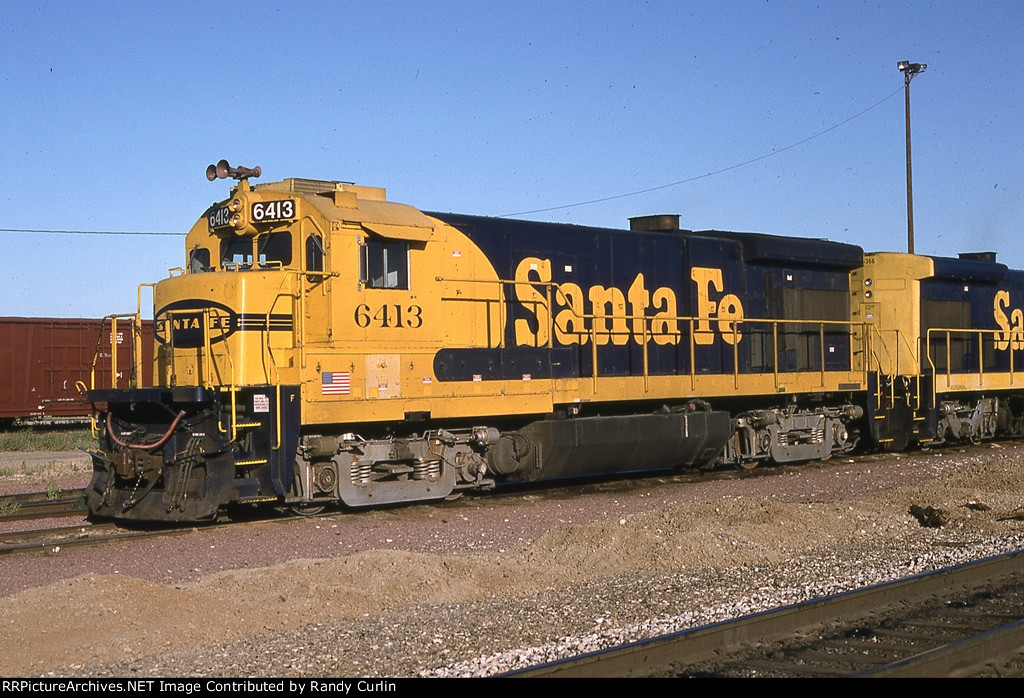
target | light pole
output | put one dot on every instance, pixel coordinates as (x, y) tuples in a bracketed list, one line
[(909, 70)]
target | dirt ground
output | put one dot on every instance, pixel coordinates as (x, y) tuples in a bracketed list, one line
[(89, 606)]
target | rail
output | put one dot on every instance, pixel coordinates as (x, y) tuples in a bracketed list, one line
[(268, 350), (320, 278), (619, 329), (945, 337), (135, 347), (266, 345), (813, 624), (892, 360), (894, 356), (737, 328)]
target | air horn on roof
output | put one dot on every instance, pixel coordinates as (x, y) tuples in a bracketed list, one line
[(223, 170)]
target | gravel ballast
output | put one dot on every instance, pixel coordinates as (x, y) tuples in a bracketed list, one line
[(485, 585)]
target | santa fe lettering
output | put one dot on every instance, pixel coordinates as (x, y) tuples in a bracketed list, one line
[(617, 316)]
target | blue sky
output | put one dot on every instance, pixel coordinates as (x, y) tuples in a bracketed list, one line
[(110, 112)]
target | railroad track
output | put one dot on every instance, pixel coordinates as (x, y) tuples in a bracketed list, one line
[(961, 621), (42, 505), (56, 539), (103, 532)]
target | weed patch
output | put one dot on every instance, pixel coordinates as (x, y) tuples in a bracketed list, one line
[(25, 439)]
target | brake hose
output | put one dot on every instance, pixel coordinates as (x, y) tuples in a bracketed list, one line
[(141, 447)]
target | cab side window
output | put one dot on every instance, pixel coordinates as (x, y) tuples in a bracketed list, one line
[(314, 253), (314, 258), (384, 264), (199, 260)]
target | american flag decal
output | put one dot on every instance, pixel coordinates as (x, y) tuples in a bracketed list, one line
[(334, 383)]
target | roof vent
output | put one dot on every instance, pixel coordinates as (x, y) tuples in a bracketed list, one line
[(312, 186), (979, 256), (664, 221)]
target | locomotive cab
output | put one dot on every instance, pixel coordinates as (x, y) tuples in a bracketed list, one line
[(221, 422), (302, 302)]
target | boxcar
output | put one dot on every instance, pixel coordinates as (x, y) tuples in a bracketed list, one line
[(43, 360)]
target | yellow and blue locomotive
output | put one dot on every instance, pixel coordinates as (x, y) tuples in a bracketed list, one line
[(946, 343), (324, 345)]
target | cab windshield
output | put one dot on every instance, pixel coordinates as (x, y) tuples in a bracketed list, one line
[(269, 250)]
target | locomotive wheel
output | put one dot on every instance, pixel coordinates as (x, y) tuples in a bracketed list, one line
[(307, 509), (749, 464)]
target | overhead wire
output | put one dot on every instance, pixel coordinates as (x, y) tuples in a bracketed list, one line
[(774, 152), (638, 192), (87, 232)]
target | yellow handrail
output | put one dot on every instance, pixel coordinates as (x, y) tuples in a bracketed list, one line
[(968, 334), (554, 290)]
